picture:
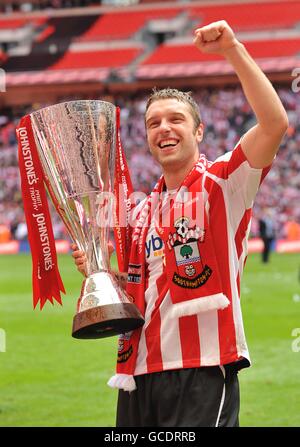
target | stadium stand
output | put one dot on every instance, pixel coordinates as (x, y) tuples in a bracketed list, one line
[(164, 30), (79, 59), (251, 15), (9, 6), (51, 40), (174, 58), (15, 24), (122, 25), (172, 54)]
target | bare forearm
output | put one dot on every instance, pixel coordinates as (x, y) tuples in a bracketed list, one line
[(258, 90), (261, 142)]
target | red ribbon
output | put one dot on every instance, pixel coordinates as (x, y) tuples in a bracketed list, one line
[(122, 191), (46, 280)]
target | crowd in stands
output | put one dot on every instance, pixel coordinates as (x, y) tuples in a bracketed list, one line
[(28, 6), (37, 5), (226, 116)]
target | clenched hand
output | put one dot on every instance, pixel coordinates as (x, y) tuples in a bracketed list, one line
[(215, 38)]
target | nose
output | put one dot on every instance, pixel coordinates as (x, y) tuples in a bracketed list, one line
[(164, 125)]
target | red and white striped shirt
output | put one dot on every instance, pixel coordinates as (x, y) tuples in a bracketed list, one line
[(213, 337)]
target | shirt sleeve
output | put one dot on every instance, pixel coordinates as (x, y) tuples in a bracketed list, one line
[(233, 171)]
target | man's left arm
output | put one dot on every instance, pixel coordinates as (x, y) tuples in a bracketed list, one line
[(261, 143)]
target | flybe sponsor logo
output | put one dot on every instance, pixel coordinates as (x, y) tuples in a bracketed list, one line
[(154, 245)]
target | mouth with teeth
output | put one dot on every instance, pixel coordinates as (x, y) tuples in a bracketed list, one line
[(168, 144)]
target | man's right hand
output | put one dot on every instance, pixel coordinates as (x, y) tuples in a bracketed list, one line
[(80, 257)]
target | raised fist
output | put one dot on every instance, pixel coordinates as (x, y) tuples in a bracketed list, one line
[(215, 38)]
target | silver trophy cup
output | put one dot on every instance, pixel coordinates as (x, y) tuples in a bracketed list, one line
[(76, 143)]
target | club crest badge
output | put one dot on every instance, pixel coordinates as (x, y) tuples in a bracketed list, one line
[(187, 253), (192, 272), (124, 351)]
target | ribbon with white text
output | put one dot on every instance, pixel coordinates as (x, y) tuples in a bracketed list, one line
[(122, 191), (46, 280)]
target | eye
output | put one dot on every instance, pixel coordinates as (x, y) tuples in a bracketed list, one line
[(177, 120), (153, 124)]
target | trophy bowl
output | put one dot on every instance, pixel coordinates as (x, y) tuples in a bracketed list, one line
[(76, 144)]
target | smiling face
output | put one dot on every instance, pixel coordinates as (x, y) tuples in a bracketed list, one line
[(172, 134)]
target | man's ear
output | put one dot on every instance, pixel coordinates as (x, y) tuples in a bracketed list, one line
[(199, 133)]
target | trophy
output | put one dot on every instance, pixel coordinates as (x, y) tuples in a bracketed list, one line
[(76, 144)]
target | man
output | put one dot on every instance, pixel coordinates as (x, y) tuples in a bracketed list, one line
[(182, 365), (267, 234)]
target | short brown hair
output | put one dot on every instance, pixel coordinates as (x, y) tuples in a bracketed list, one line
[(185, 97)]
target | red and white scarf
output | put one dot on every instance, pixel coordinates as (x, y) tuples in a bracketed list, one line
[(190, 262)]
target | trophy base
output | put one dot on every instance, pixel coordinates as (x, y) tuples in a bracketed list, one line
[(106, 321)]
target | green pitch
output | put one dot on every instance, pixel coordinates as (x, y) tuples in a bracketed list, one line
[(47, 378)]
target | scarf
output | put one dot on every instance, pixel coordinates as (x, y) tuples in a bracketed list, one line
[(190, 262)]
